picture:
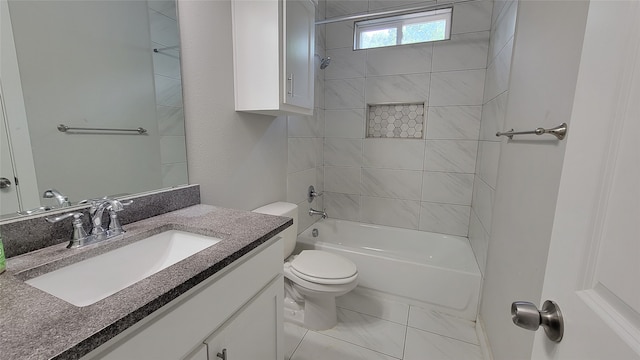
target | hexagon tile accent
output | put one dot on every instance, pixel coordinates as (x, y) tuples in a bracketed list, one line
[(404, 121)]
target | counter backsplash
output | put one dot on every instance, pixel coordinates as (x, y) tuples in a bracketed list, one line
[(33, 232)]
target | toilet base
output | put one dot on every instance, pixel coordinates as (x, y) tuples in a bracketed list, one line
[(320, 313)]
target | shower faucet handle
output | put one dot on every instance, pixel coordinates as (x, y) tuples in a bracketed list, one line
[(312, 194)]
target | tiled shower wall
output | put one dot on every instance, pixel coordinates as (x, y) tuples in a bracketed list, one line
[(493, 112), (423, 184), (168, 84), (305, 136)]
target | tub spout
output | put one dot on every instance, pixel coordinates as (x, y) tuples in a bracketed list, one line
[(322, 213)]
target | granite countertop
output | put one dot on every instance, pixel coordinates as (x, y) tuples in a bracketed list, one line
[(37, 325)]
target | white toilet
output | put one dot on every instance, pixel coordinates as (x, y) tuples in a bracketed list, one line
[(313, 278)]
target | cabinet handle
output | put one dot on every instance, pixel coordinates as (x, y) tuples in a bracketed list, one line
[(222, 355), (290, 79)]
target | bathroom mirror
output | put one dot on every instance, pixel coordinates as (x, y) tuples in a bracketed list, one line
[(108, 71)]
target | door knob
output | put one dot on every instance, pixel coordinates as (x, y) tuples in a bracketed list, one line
[(527, 316), (4, 183)]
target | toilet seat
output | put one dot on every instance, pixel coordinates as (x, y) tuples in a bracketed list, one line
[(309, 287), (321, 267)]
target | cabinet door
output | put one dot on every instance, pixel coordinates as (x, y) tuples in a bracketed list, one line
[(299, 27), (255, 331)]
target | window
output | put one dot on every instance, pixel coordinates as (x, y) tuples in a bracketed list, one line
[(413, 28)]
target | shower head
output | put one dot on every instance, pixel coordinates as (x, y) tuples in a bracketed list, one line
[(324, 62)]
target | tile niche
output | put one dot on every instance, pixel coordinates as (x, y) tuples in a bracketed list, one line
[(403, 121)]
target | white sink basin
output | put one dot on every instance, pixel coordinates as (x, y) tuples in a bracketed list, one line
[(92, 280)]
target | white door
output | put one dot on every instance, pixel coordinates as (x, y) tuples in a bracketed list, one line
[(8, 191), (593, 268)]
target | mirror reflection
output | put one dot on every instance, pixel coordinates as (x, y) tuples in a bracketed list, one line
[(109, 73)]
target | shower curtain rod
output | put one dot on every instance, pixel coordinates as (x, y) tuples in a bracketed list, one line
[(393, 12)]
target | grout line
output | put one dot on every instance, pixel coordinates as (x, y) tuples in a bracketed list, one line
[(299, 343), (406, 331), (446, 336), (364, 347)]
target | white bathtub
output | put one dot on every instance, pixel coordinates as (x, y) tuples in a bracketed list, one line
[(435, 270)]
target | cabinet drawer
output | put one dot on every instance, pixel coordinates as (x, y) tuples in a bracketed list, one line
[(189, 319)]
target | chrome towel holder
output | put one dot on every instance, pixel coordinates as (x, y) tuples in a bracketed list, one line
[(65, 128), (559, 132)]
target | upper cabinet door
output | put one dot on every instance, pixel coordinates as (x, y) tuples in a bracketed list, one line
[(273, 50), (299, 27)]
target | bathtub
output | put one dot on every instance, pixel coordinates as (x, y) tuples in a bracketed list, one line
[(431, 270)]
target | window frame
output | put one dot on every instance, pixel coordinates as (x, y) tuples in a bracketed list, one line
[(398, 22)]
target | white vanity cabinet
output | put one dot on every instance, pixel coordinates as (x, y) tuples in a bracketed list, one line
[(249, 334), (240, 309), (198, 354), (273, 53)]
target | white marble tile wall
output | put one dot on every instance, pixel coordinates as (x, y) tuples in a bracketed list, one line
[(395, 184), (168, 85), (390, 212), (417, 184), (305, 139), (496, 92), (349, 123), (453, 122), (411, 59)]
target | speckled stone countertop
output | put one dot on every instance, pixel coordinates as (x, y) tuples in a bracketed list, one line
[(36, 325)]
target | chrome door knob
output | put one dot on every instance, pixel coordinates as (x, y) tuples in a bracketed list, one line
[(527, 316), (4, 183)]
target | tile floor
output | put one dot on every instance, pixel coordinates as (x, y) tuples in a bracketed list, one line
[(374, 328)]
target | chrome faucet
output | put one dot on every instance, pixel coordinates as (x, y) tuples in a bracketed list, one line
[(322, 213), (98, 233), (98, 206), (63, 201)]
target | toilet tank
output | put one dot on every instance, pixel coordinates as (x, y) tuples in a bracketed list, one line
[(290, 234)]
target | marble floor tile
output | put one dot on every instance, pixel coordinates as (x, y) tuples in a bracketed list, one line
[(370, 332), (293, 335), (443, 324), (316, 346), (422, 345), (374, 306)]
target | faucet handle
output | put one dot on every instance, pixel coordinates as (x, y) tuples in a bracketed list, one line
[(79, 234), (117, 205), (75, 215), (115, 227), (312, 194)]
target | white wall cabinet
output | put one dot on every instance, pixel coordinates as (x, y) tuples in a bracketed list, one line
[(273, 53), (240, 308)]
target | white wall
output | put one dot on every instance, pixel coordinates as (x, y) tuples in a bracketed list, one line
[(546, 54), (239, 159), (97, 77), (410, 183)]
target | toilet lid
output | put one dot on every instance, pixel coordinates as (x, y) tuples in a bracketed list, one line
[(323, 265)]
